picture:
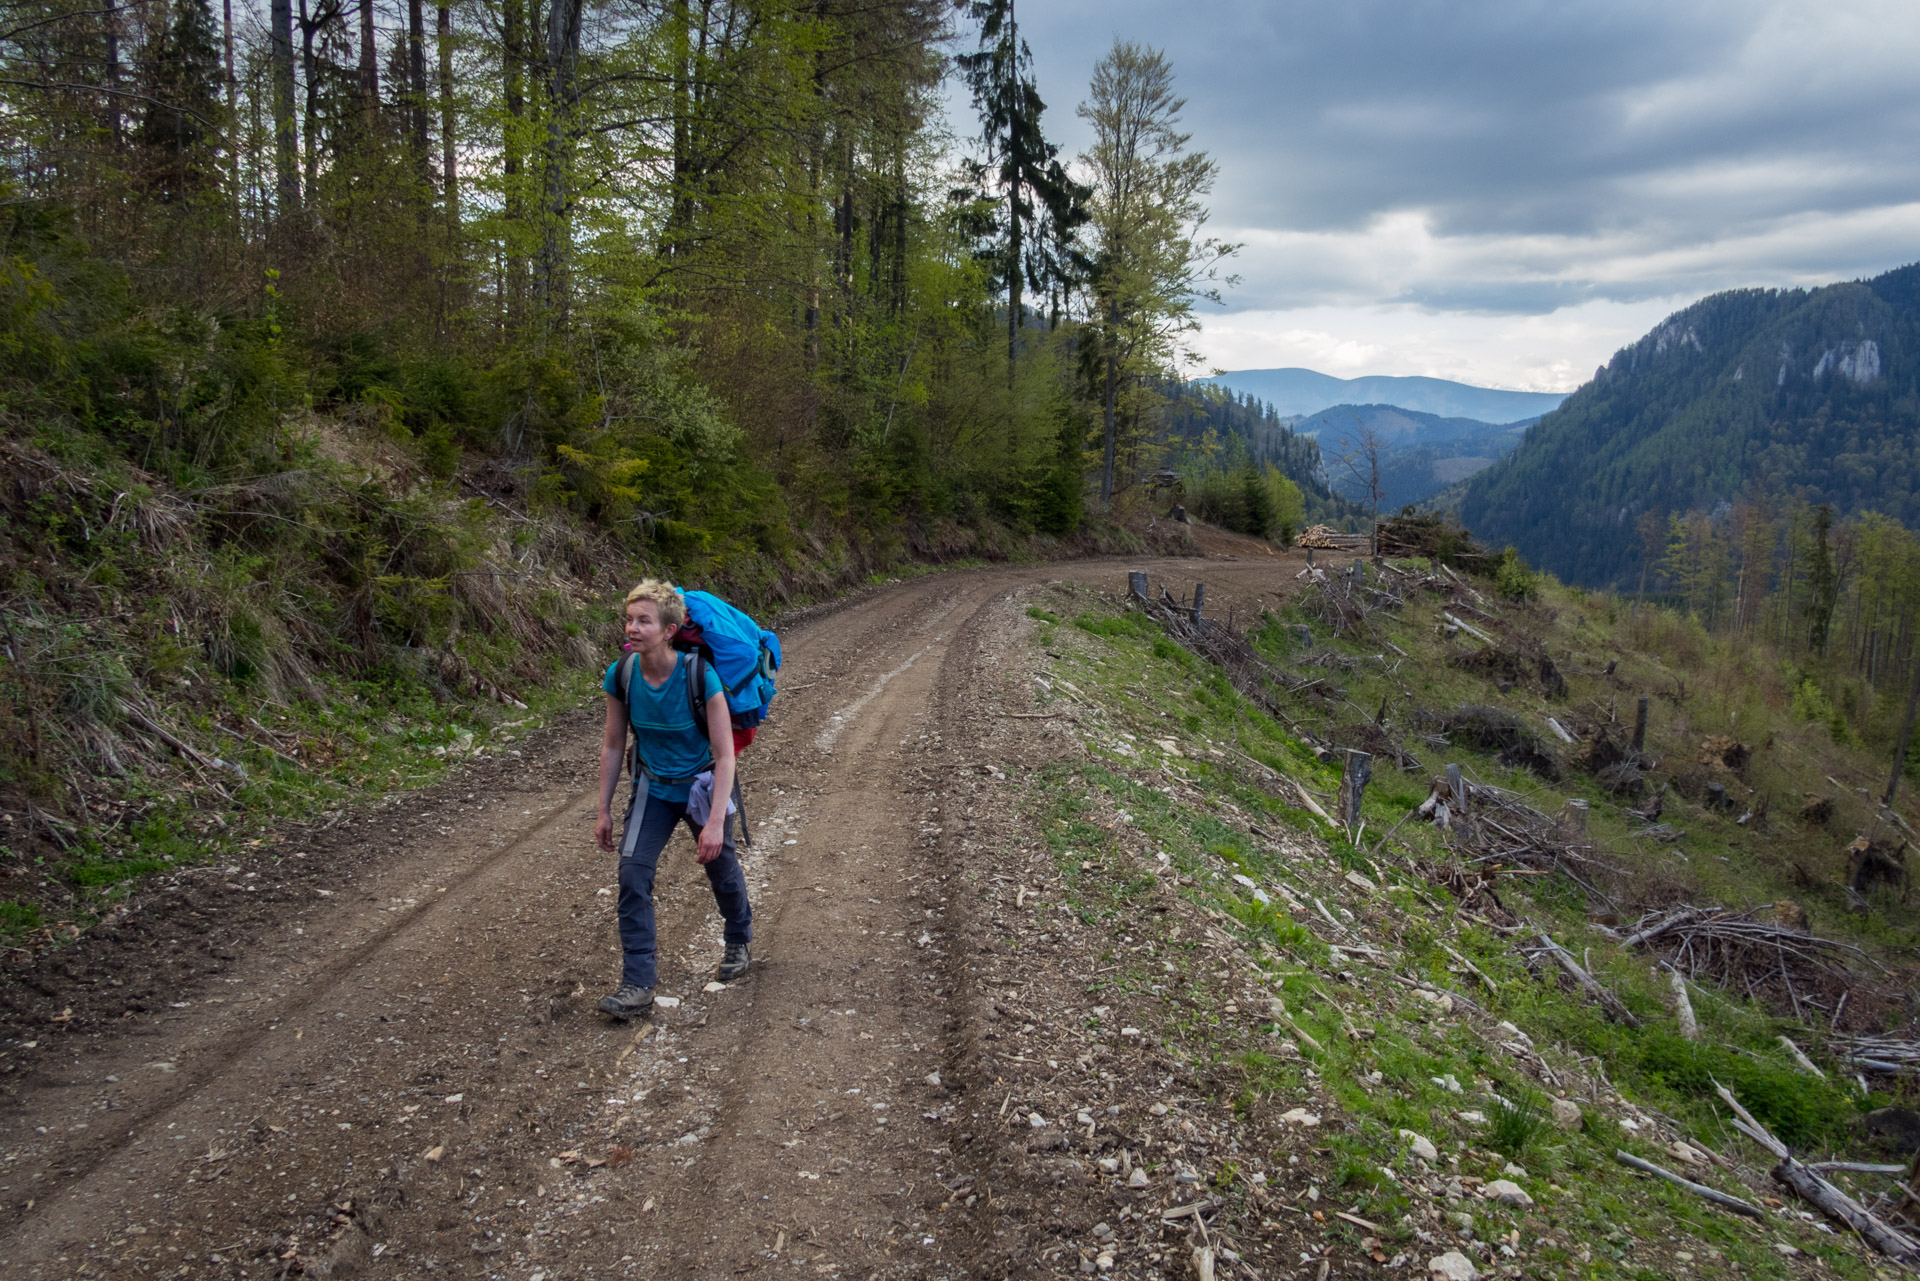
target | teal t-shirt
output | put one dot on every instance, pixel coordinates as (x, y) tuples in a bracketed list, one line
[(671, 744)]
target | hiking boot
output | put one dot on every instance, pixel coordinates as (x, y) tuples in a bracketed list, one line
[(629, 1002), (733, 963)]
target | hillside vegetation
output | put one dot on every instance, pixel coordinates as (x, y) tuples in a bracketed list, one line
[(341, 385), (1385, 986), (1755, 396)]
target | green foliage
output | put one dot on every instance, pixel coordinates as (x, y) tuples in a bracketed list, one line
[(1513, 1125), (1131, 624), (1512, 579), (1800, 1109)]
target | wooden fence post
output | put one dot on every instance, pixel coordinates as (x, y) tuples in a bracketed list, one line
[(1137, 584), (1640, 725), (1199, 599)]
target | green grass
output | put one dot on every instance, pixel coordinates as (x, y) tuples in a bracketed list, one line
[(1155, 697)]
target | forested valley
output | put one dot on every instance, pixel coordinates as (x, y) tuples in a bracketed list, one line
[(352, 354)]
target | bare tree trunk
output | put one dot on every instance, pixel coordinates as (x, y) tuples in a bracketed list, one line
[(514, 37), (233, 84), (311, 110), (680, 208), (1906, 736), (113, 67), (1109, 398), (417, 78), (369, 66), (286, 140), (563, 50), (449, 171), (1014, 281)]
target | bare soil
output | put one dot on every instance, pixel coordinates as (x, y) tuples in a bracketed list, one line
[(372, 1047)]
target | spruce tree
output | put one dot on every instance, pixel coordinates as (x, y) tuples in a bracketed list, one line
[(1023, 164), (181, 124)]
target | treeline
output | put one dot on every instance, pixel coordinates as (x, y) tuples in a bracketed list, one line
[(351, 351), (1243, 467), (700, 273), (1812, 395), (1840, 599)]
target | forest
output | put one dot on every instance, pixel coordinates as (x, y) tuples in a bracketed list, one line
[(1794, 396), (700, 275), (1834, 599), (354, 353)]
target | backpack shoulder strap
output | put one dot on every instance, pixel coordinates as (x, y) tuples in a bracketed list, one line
[(623, 681), (696, 686)]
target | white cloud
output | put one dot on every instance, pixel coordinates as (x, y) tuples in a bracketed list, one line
[(1503, 191), (1556, 351)]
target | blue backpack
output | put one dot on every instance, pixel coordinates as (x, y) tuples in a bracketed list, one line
[(743, 654)]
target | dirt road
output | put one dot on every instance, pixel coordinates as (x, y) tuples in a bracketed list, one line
[(374, 1049)]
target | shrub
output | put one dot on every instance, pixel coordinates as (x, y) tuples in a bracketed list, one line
[(1512, 579)]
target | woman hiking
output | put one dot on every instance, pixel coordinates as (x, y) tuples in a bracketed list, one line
[(683, 772)]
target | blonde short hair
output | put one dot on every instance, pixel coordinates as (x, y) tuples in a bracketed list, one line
[(672, 605)]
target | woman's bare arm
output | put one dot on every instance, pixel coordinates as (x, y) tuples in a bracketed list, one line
[(720, 735), (613, 751)]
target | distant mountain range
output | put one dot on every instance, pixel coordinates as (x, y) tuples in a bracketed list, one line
[(1422, 454), (1807, 394), (1305, 391)]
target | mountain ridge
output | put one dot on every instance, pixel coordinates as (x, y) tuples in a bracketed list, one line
[(1809, 395), (1293, 390)]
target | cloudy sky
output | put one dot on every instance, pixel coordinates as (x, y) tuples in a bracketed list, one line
[(1506, 191)]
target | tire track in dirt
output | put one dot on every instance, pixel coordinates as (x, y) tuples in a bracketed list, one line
[(442, 1005)]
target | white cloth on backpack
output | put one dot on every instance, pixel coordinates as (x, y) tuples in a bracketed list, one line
[(700, 799)]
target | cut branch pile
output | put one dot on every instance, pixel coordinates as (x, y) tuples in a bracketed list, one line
[(1726, 945), (1879, 1053), (1499, 831), (1213, 640)]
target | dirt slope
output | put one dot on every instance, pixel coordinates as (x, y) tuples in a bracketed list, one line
[(373, 1049)]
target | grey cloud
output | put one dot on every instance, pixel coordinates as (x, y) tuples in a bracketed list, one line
[(1613, 121)]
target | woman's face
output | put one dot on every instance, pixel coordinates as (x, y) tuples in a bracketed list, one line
[(644, 628)]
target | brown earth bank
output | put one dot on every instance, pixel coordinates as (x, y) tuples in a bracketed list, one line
[(371, 1046)]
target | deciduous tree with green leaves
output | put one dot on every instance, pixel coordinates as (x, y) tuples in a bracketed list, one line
[(1151, 259)]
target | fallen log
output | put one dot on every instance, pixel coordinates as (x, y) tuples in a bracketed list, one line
[(1719, 1198), (1683, 1007), (1822, 1195), (1605, 999)]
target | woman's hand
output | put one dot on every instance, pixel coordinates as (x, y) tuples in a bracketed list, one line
[(603, 831), (713, 837)]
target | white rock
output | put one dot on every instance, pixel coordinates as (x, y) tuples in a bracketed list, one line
[(1109, 1165), (715, 986), (1287, 1050), (1507, 1192), (666, 1002), (1513, 1033), (1472, 1118), (1513, 1171), (1453, 1266), (1157, 1109), (1682, 1152), (1448, 1083), (1138, 1179), (1421, 1146), (1566, 1114), (1299, 1116), (1037, 1121)]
